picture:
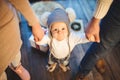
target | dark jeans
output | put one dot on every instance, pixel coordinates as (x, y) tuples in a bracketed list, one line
[(64, 61), (110, 36)]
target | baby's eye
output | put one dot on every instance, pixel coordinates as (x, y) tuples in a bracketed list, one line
[(55, 29), (63, 28)]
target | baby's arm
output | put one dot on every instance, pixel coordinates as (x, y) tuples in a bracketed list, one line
[(44, 40), (81, 38)]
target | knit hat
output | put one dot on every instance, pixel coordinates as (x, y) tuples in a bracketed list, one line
[(58, 15)]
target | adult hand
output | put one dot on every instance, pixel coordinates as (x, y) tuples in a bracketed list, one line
[(92, 30), (38, 32)]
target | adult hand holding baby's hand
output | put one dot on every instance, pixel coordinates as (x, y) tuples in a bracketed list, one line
[(92, 30), (38, 32)]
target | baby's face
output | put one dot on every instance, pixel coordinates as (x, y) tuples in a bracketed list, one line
[(59, 30)]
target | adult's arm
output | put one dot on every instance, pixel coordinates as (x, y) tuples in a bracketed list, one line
[(93, 27), (25, 9)]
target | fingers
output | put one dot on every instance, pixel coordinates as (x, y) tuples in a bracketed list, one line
[(90, 37), (97, 38), (36, 39), (93, 38), (38, 36)]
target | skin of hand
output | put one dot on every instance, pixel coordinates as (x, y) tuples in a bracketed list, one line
[(38, 32), (92, 30)]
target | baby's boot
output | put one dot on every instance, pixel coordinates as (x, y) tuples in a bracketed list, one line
[(51, 67), (64, 68)]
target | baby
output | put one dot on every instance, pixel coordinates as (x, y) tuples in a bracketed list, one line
[(60, 40)]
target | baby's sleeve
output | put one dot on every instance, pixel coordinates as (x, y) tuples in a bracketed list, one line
[(81, 38), (43, 41)]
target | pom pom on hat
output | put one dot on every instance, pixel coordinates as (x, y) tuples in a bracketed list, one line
[(44, 18), (71, 14)]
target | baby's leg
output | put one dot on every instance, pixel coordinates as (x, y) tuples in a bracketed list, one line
[(51, 63), (64, 64)]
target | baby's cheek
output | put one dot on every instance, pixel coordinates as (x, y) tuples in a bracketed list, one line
[(65, 33), (54, 35)]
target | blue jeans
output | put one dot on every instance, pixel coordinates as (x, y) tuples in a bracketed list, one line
[(110, 37)]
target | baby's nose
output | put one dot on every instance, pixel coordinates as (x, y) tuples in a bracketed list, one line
[(59, 31)]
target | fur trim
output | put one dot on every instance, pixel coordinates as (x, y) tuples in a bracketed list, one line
[(43, 19), (71, 14)]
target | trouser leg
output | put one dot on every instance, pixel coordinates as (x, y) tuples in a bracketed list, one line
[(110, 36), (51, 59), (14, 63), (65, 61), (3, 76), (18, 68), (51, 63), (16, 60)]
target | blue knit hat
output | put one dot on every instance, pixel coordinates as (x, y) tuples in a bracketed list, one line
[(58, 15)]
